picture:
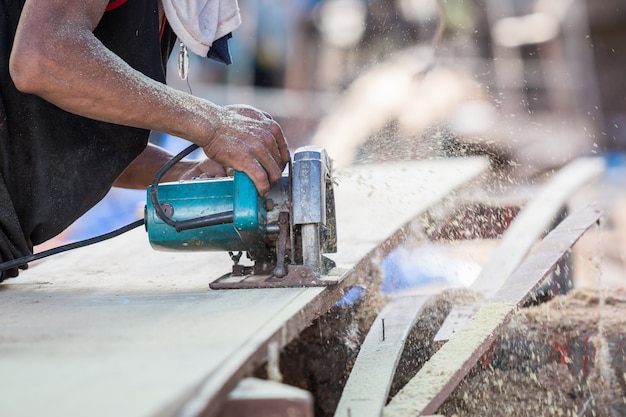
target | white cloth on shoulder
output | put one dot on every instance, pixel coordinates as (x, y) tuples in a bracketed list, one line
[(198, 23)]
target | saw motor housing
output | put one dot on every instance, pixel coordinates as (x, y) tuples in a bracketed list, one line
[(282, 233)]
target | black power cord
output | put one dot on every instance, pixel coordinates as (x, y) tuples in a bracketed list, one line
[(20, 262), (180, 225), (214, 219)]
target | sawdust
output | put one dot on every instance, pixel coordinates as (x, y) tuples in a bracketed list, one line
[(547, 362), (448, 362), (514, 393)]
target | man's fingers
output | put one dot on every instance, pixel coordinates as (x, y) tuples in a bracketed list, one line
[(259, 177), (271, 164), (274, 142), (204, 169), (211, 168), (281, 142)]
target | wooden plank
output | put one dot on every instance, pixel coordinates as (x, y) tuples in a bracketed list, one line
[(425, 392), (367, 389), (120, 329), (532, 222)]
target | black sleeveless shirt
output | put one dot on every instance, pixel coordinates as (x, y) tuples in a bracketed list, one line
[(54, 165)]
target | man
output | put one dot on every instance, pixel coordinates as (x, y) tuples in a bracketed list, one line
[(81, 86)]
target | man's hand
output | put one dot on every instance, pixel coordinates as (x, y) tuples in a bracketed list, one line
[(201, 169), (249, 140), (141, 172)]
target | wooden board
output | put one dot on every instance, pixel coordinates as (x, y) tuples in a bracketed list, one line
[(119, 329), (532, 222), (368, 385), (425, 392)]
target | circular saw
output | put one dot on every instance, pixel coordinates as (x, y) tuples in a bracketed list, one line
[(274, 241)]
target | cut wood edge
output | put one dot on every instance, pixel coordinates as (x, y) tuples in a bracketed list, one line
[(367, 389), (432, 385), (533, 220)]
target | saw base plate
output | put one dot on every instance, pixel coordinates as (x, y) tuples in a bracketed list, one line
[(298, 276)]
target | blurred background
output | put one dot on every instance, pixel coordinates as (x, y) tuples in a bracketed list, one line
[(531, 84), (375, 79)]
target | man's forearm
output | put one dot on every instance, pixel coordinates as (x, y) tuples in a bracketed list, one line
[(61, 61)]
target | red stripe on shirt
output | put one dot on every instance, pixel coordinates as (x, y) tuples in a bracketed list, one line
[(114, 5), (163, 22)]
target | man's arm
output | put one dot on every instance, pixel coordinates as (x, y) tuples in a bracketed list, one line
[(57, 57)]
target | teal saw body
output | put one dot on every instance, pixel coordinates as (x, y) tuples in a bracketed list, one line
[(288, 230), (192, 199)]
